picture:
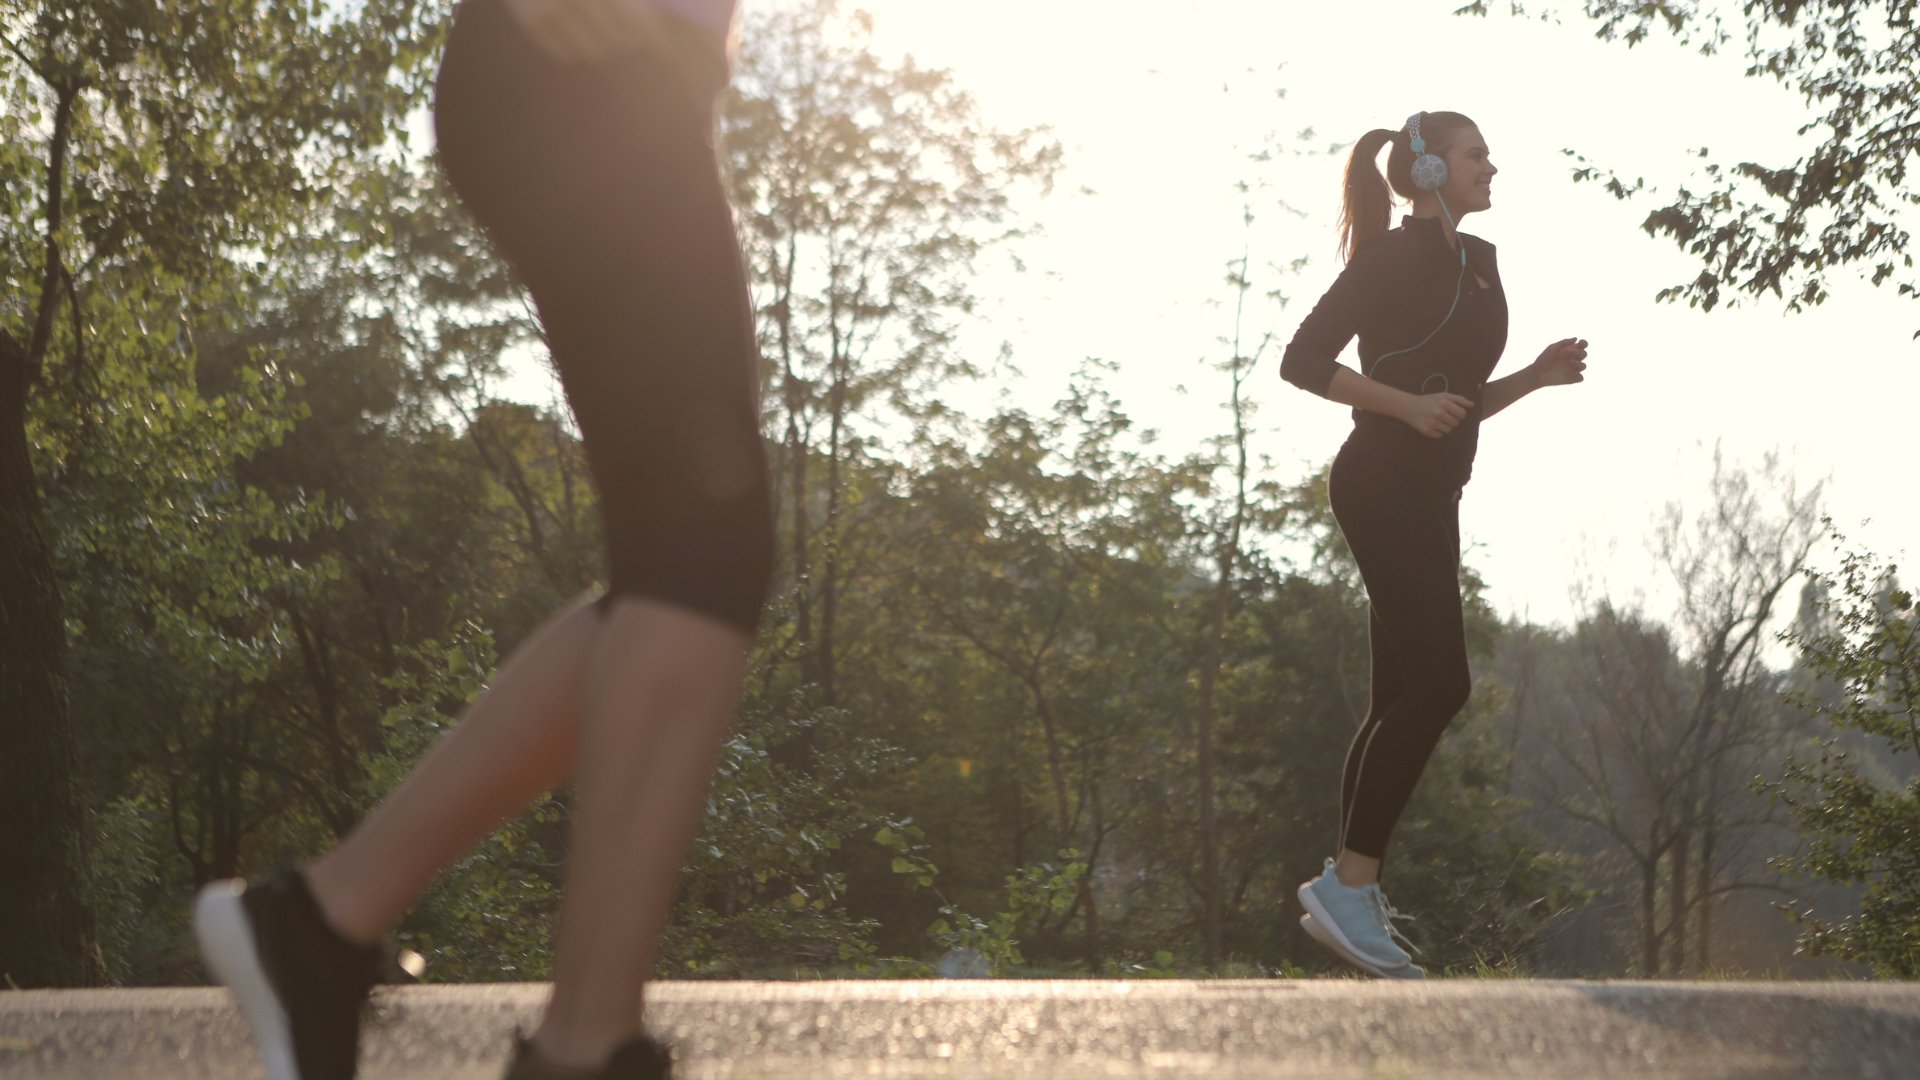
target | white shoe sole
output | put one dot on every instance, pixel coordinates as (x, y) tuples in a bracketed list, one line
[(226, 943), (1315, 931), (1322, 928)]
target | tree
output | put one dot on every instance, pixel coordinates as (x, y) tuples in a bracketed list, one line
[(1005, 586), (1226, 537), (145, 148), (1731, 565), (866, 193), (1614, 765), (1666, 723), (1861, 827), (1787, 228), (256, 539)]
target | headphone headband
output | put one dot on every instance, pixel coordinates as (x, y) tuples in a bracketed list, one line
[(1413, 133)]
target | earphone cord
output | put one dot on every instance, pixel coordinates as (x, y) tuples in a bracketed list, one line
[(1458, 281)]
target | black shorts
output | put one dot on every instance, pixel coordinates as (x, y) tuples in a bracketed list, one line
[(598, 184)]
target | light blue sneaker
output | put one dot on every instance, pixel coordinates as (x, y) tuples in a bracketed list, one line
[(1357, 924)]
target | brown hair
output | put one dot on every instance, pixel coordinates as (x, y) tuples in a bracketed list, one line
[(1367, 209)]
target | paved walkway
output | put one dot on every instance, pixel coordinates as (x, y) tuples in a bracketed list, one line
[(1334, 1028)]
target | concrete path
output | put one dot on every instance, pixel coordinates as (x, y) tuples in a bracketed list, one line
[(1334, 1028)]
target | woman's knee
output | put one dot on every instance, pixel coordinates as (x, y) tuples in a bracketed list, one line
[(721, 565), (1442, 689), (1451, 689)]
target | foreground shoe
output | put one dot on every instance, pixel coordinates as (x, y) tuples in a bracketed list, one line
[(638, 1059), (1357, 924), (300, 986), (1319, 933)]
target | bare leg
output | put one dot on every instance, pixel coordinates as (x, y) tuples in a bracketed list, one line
[(641, 696), (662, 689), (1356, 871), (517, 740)]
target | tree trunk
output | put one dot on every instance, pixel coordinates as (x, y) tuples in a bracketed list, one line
[(225, 792), (830, 570), (1226, 556), (1209, 836), (1017, 803), (1677, 889), (1063, 814), (1703, 899), (46, 919), (1649, 911), (793, 394), (336, 809), (1086, 880)]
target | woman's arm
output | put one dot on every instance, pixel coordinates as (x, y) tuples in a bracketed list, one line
[(1310, 359), (1501, 393), (1432, 415), (1561, 363)]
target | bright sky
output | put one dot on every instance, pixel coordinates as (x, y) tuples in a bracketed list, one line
[(1131, 269), (1569, 480)]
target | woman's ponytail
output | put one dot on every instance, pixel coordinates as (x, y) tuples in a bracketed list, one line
[(1368, 207)]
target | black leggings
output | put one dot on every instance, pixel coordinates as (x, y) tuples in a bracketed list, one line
[(1404, 532), (598, 183)]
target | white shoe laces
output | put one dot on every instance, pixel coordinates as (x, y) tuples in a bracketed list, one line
[(1387, 918)]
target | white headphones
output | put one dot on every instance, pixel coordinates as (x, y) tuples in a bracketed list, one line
[(1429, 170)]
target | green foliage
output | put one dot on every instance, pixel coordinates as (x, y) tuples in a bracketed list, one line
[(1785, 227), (766, 886), (1861, 829), (128, 884), (909, 858), (297, 528), (489, 917), (151, 158), (1034, 893)]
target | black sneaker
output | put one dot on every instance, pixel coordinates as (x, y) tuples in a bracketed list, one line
[(638, 1059), (300, 985)]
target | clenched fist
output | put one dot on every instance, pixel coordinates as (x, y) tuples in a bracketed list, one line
[(1562, 362), (1433, 415)]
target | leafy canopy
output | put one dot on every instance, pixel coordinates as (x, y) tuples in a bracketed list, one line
[(1785, 228)]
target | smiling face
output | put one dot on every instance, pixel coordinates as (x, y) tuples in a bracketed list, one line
[(1469, 173)]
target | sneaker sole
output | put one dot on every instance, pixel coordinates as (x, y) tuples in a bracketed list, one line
[(1327, 932), (1318, 933), (226, 943)]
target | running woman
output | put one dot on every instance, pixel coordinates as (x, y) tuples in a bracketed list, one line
[(1426, 303), (580, 135)]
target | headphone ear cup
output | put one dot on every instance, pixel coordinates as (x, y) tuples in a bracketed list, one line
[(1429, 172)]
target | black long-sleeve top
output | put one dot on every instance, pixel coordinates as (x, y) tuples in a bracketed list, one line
[(1394, 293)]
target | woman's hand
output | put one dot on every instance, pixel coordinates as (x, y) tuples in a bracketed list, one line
[(1433, 415), (1562, 362), (587, 31)]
